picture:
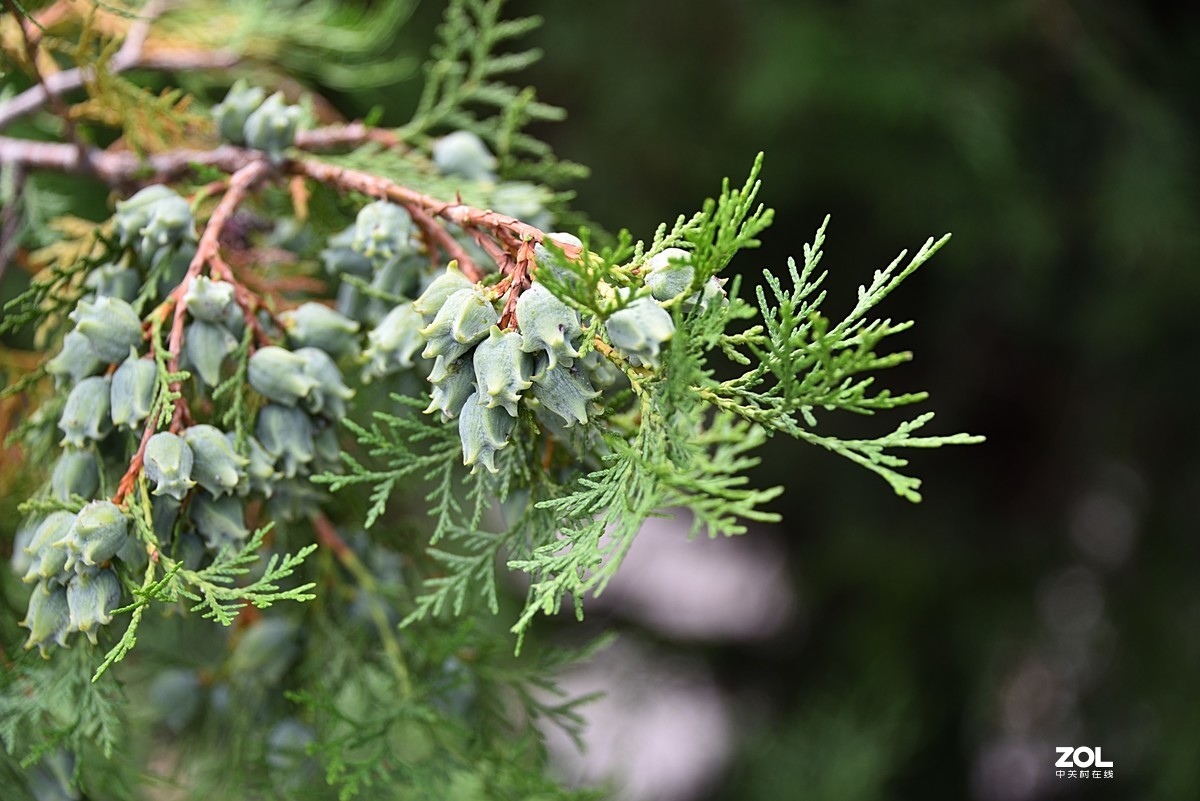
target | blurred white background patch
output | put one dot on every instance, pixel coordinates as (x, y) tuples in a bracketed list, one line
[(731, 588), (663, 729)]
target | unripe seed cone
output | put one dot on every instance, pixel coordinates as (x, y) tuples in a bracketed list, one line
[(90, 601), (111, 280), (75, 473), (260, 468), (231, 113), (439, 291), (340, 257), (85, 415), (272, 126), (286, 433), (546, 260), (209, 300), (502, 370), (547, 324), (75, 362), (566, 392), (318, 326), (279, 375), (640, 330), (220, 521), (100, 530), (453, 382), (47, 548), (383, 230), (216, 466), (168, 461), (206, 346), (328, 398), (463, 320), (483, 431), (132, 391), (111, 326), (153, 220), (48, 617), (463, 154), (669, 274), (176, 696), (393, 343)]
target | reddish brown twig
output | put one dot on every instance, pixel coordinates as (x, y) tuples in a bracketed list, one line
[(207, 251), (439, 238), (354, 133), (466, 217), (518, 281)]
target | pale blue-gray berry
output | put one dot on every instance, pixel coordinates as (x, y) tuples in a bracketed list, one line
[(132, 391), (396, 277), (547, 324), (113, 280), (602, 373), (279, 375), (206, 346), (712, 292), (85, 415), (483, 431), (153, 220), (318, 326), (99, 531), (523, 200), (669, 273), (464, 319), (439, 290), (209, 300), (47, 548), (231, 113), (548, 261), (464, 155), (220, 521), (48, 617), (76, 473), (215, 465), (502, 370), (91, 599), (168, 461), (329, 394), (393, 343), (260, 469), (286, 433), (75, 362), (453, 382), (272, 127), (21, 560), (341, 257), (111, 326), (640, 330), (565, 391), (383, 230)]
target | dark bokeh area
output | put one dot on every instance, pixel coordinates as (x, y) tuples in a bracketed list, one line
[(1045, 592)]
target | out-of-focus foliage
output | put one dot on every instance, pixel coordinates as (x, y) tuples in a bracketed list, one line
[(1044, 593)]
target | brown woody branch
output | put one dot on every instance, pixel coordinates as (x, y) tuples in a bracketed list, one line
[(51, 86)]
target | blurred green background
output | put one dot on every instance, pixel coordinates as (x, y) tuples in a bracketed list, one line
[(1045, 593)]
